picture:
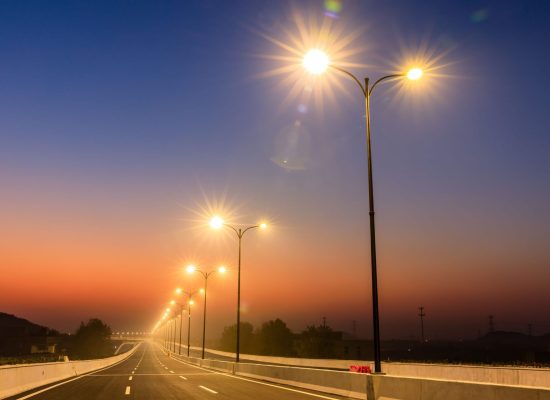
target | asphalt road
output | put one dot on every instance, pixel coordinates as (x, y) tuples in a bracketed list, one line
[(150, 374)]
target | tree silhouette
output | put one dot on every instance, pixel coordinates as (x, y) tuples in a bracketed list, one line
[(275, 339), (316, 342), (228, 340), (92, 340)]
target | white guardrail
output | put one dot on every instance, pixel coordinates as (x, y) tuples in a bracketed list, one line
[(400, 381), (521, 376), (19, 378)]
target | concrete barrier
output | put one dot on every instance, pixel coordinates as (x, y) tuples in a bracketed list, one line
[(323, 380), (385, 387), (372, 387), (522, 376), (533, 377), (19, 378), (342, 383)]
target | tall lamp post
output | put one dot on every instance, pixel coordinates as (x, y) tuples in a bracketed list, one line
[(168, 329), (216, 223), (190, 302), (206, 274), (317, 62), (181, 309)]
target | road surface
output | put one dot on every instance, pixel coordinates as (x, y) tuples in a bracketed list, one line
[(150, 374)]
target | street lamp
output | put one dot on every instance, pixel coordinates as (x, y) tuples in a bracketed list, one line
[(190, 269), (169, 329), (190, 302), (217, 222), (316, 62)]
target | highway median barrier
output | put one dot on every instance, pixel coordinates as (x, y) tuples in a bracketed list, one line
[(359, 383)]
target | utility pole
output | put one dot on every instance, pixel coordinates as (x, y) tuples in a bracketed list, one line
[(491, 323), (421, 315)]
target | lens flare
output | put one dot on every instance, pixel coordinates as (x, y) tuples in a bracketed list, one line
[(414, 74), (301, 55), (216, 222), (316, 61)]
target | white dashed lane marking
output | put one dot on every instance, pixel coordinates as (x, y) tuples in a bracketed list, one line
[(127, 390), (207, 389), (183, 377), (130, 378)]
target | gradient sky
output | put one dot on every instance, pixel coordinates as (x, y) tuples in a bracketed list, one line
[(125, 124)]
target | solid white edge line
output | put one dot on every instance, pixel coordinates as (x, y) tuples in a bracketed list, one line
[(127, 390), (207, 389), (259, 383), (130, 378), (70, 380)]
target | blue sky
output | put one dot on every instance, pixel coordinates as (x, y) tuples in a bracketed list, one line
[(122, 116)]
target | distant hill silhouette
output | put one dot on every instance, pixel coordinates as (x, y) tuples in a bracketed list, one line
[(10, 325)]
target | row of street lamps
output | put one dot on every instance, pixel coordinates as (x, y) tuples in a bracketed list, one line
[(317, 62), (216, 223)]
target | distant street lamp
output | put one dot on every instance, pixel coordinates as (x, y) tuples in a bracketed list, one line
[(317, 62), (190, 269), (181, 309), (168, 328), (217, 222), (190, 302)]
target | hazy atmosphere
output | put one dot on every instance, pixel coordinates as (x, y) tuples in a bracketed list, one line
[(125, 126)]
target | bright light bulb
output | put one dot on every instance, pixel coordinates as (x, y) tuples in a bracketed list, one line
[(263, 225), (316, 61), (191, 302), (168, 310), (178, 291), (222, 269), (191, 268), (414, 74), (173, 302), (201, 291), (216, 222)]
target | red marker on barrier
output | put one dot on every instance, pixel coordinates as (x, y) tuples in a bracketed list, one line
[(361, 369)]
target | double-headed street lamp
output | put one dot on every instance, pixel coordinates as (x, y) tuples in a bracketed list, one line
[(206, 274), (217, 223), (190, 302), (317, 62)]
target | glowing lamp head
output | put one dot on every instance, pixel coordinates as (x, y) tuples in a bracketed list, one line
[(263, 226), (216, 222), (191, 302), (201, 291), (178, 291), (316, 61), (414, 74), (222, 269), (190, 268), (168, 310), (173, 302)]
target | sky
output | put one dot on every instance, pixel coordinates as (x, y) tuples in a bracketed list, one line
[(125, 125)]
